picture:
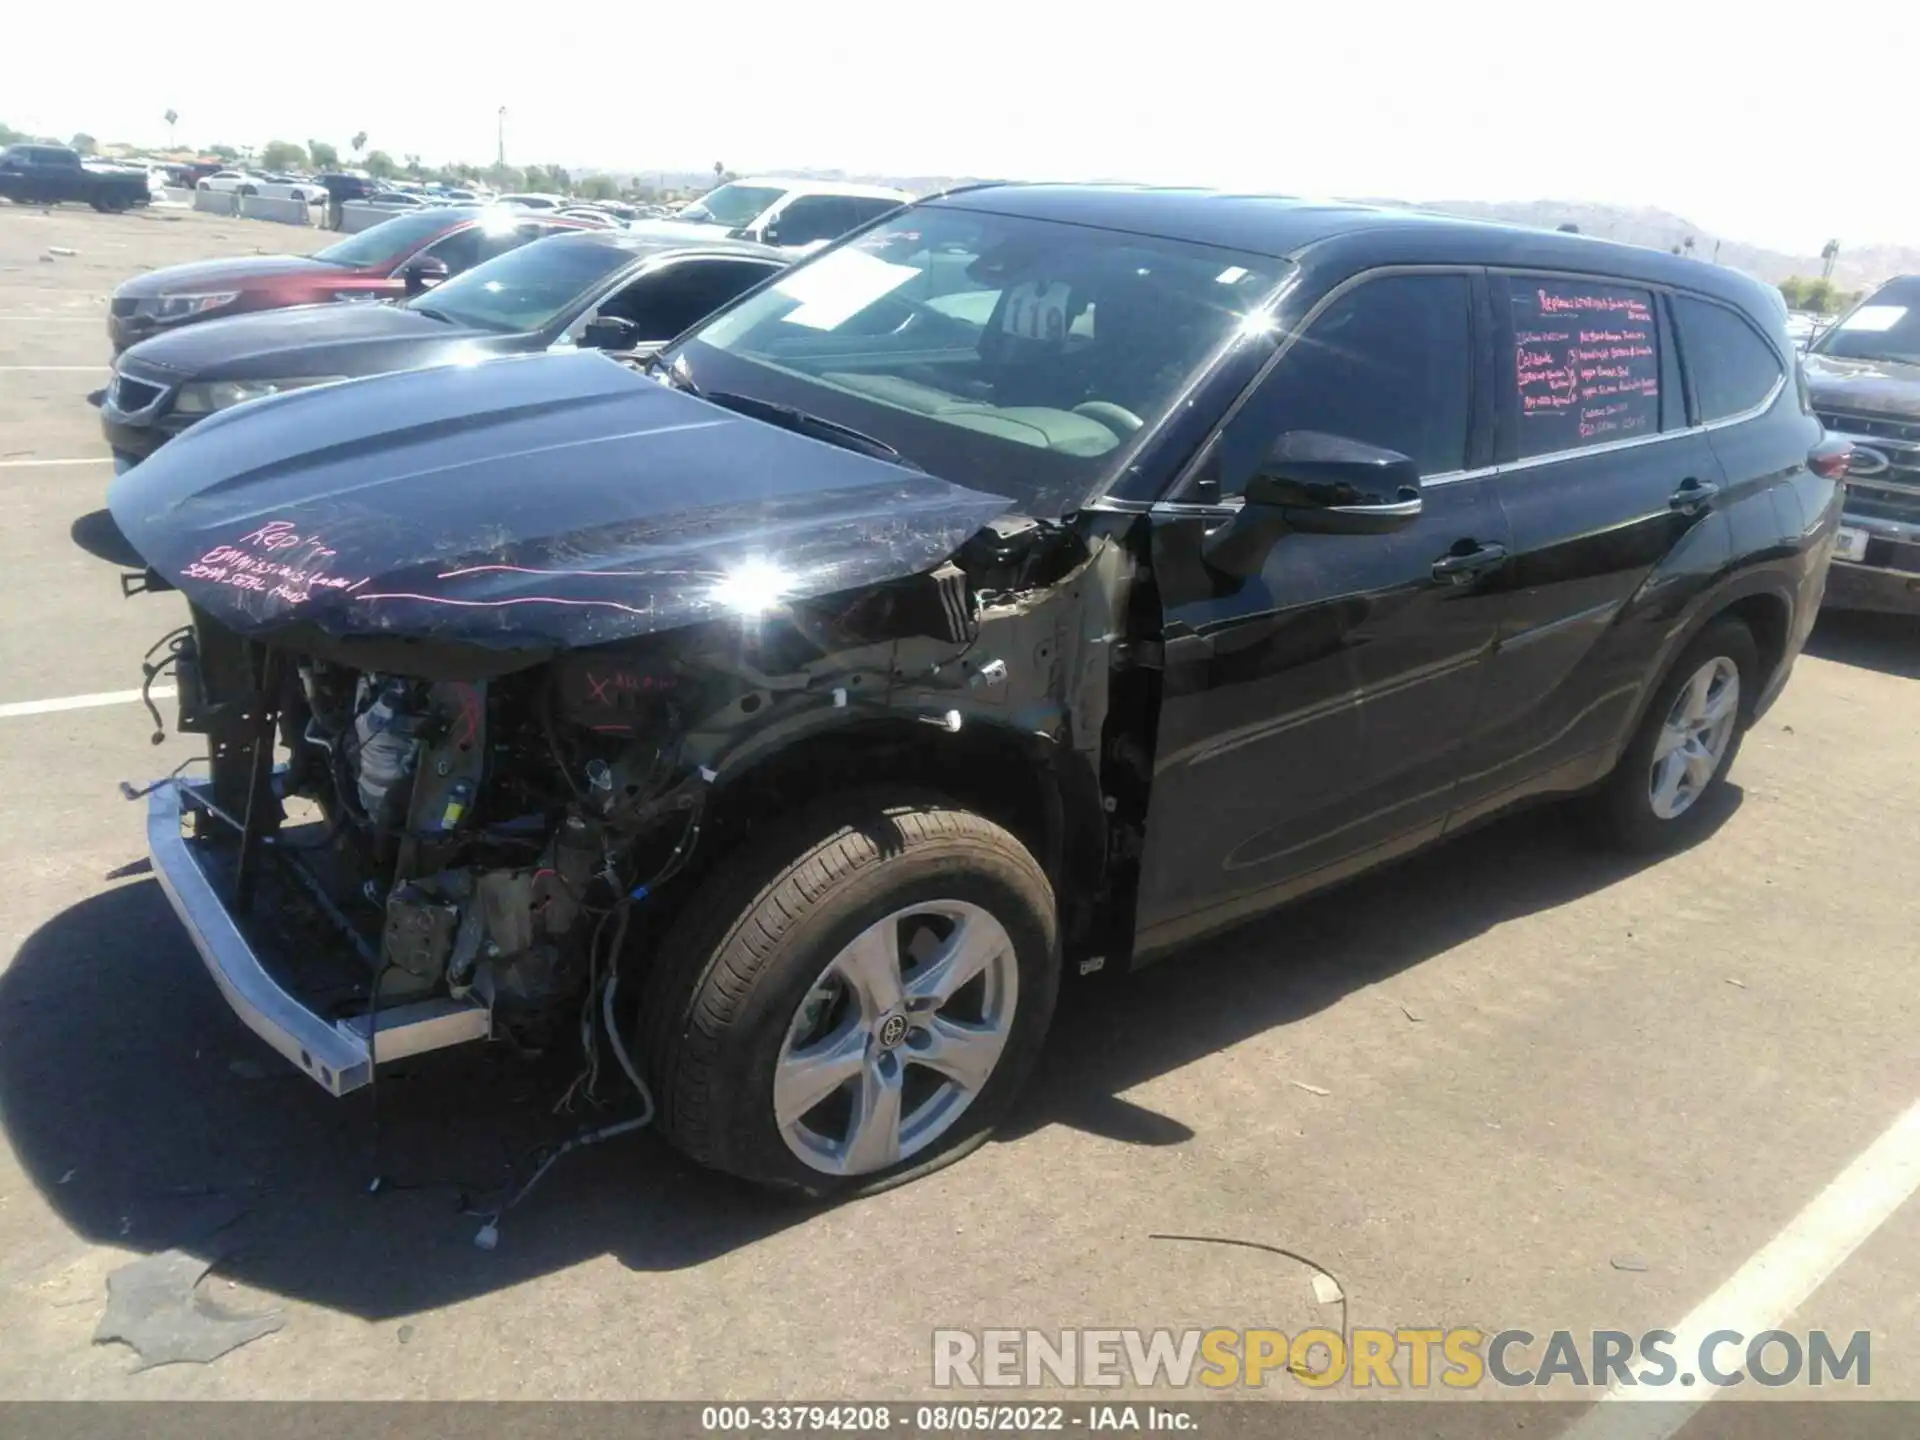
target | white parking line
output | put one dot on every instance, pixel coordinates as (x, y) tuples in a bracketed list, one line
[(1775, 1282), (81, 702), (80, 460)]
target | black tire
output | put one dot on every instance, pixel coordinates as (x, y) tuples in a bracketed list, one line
[(733, 972), (1623, 807)]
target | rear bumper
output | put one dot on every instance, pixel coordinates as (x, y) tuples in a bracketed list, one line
[(338, 1055)]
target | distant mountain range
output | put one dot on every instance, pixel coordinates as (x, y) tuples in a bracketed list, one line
[(1858, 268)]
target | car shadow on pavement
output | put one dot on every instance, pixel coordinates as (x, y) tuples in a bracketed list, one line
[(1286, 966), (1887, 643), (149, 1118)]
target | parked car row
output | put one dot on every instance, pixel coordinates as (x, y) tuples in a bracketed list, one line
[(55, 174), (1027, 585), (405, 255)]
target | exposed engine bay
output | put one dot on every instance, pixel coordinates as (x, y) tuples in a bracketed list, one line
[(491, 842)]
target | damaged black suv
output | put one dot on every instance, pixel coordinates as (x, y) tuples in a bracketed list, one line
[(1034, 582)]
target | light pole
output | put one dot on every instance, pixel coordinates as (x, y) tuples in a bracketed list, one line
[(500, 140)]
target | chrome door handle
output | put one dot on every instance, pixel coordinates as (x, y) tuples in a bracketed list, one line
[(1459, 566), (1693, 495)]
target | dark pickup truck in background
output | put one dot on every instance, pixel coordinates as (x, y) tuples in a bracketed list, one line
[(50, 174), (1863, 373)]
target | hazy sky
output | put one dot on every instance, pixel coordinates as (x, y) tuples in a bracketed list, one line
[(1707, 109)]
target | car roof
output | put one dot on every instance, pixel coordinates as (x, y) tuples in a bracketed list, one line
[(1289, 227), (825, 187), (643, 246)]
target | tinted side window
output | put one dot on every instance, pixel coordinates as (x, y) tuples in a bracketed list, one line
[(814, 217), (1584, 367), (862, 208), (666, 302), (459, 251), (1733, 369), (1389, 363)]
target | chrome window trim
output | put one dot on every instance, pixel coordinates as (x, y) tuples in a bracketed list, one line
[(1171, 508)]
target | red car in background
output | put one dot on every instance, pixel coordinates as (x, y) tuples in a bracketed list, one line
[(401, 256)]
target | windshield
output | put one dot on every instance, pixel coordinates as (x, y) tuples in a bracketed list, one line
[(731, 205), (389, 240), (528, 288), (1013, 356), (1885, 327)]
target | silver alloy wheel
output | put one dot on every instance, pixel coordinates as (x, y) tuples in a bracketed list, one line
[(1695, 737), (897, 1037)]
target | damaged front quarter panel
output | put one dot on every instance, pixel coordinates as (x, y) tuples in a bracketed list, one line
[(990, 676)]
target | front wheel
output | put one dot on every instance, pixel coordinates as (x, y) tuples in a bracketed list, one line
[(855, 1001), (1655, 798)]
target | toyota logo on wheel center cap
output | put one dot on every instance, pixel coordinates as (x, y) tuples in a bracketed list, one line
[(893, 1030)]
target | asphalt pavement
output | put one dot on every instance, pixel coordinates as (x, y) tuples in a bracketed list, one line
[(1511, 1083)]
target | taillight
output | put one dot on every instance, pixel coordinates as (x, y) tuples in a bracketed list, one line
[(1830, 458)]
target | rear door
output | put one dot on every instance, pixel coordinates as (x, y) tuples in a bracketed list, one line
[(1313, 714), (1602, 477)]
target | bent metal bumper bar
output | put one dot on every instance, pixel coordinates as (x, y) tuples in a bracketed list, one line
[(334, 1053)]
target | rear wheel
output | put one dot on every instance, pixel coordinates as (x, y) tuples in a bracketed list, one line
[(1686, 743), (857, 1000)]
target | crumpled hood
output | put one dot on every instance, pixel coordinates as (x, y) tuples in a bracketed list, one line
[(204, 276), (1870, 387), (537, 502)]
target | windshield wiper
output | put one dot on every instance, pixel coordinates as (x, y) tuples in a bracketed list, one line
[(433, 314), (803, 422)]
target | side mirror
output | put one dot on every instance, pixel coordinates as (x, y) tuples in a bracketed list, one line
[(1329, 485), (770, 235), (422, 273), (609, 332), (1317, 484)]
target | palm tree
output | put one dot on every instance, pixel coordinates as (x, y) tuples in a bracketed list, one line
[(171, 117), (359, 143), (1829, 253)]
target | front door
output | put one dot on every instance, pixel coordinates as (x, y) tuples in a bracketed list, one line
[(1312, 713)]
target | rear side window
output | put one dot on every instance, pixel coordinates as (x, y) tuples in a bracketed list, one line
[(1733, 369), (1584, 368), (1389, 363)]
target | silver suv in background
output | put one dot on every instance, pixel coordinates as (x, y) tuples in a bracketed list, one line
[(793, 214), (1864, 376)]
